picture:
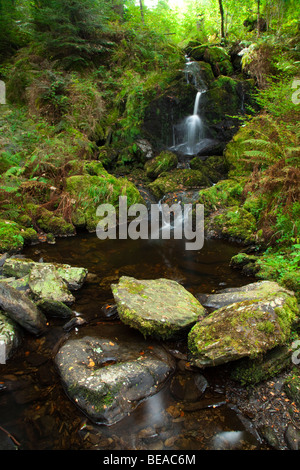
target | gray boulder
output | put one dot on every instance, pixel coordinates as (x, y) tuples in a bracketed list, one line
[(21, 309), (107, 380), (232, 295)]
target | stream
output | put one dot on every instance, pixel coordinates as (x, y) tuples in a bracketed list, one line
[(34, 408)]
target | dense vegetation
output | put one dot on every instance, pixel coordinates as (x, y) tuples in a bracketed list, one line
[(80, 76)]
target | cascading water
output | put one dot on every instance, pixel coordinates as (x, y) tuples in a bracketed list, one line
[(191, 132), (194, 128)]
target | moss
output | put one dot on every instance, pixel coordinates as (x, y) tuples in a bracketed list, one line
[(242, 259), (215, 54), (292, 386), (11, 239), (235, 223), (163, 162), (225, 193), (243, 329), (99, 401), (54, 224), (176, 180), (214, 167), (264, 367), (287, 316)]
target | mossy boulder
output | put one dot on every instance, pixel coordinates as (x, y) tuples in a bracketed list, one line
[(244, 329), (87, 192), (197, 52), (252, 291), (45, 283), (246, 263), (108, 379), (234, 223), (213, 167), (48, 221), (11, 239), (222, 99), (50, 284), (222, 195), (163, 162), (206, 72), (214, 54), (176, 180), (160, 307), (266, 366)]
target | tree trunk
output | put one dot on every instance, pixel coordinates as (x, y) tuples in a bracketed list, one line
[(222, 19), (258, 18), (142, 11)]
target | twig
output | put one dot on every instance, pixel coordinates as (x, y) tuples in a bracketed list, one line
[(10, 435)]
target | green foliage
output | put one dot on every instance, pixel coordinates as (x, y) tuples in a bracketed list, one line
[(73, 33)]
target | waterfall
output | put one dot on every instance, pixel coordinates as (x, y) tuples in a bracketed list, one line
[(194, 128), (190, 133)]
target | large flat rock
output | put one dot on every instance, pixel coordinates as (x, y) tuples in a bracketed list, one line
[(161, 307)]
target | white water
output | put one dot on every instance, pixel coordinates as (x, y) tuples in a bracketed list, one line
[(192, 128)]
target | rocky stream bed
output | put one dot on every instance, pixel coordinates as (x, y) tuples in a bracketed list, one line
[(90, 356)]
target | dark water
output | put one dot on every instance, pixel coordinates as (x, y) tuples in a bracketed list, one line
[(33, 406)]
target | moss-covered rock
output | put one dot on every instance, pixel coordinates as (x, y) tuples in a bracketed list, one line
[(224, 194), (177, 180), (206, 72), (161, 307), (48, 221), (234, 223), (222, 100), (11, 238), (244, 329), (45, 283), (214, 167), (87, 192), (163, 162), (215, 54), (264, 367)]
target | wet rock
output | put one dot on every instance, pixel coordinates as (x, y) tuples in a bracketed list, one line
[(54, 308), (45, 283), (243, 329), (251, 291), (188, 387), (21, 284), (74, 277), (161, 307), (270, 436), (10, 338), (292, 437), (107, 380), (74, 323), (21, 309), (270, 364), (17, 267)]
